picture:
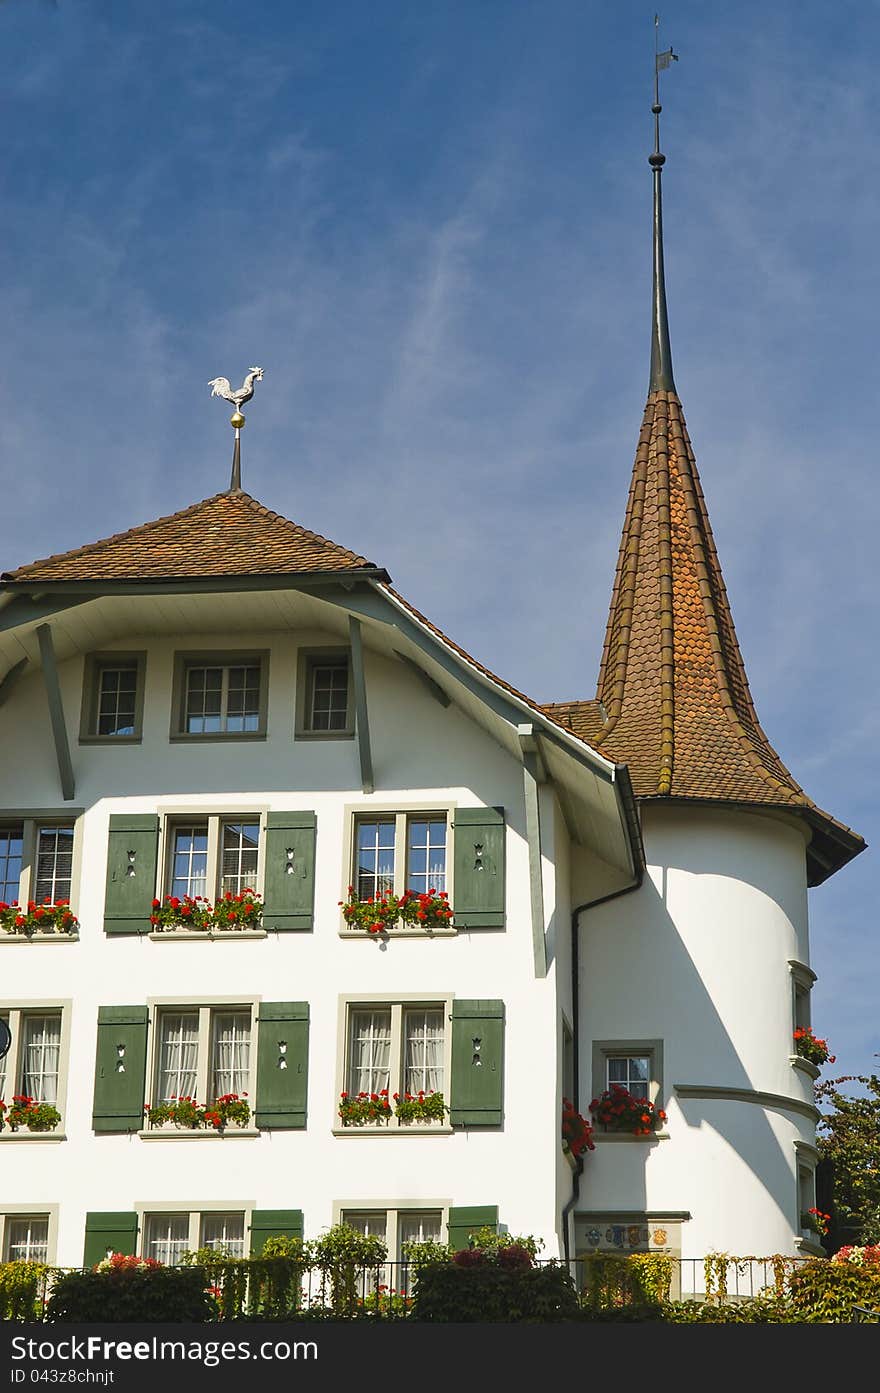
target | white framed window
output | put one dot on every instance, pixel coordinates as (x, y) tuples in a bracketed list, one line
[(168, 1233), (401, 851), (802, 980), (28, 1234), (36, 1063), (212, 854), (396, 1047), (202, 1052), (636, 1065), (324, 697), (113, 698), (39, 858), (396, 1225), (220, 696)]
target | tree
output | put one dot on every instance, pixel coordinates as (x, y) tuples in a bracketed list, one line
[(849, 1149)]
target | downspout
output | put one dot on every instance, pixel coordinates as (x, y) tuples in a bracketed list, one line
[(575, 1026)]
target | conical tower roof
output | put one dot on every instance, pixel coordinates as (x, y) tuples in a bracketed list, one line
[(673, 700)]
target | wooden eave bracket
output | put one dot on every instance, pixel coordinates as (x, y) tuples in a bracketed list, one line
[(362, 723), (56, 711), (534, 773)]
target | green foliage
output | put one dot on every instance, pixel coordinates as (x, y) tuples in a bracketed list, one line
[(241, 911), (151, 1294), (849, 1141), (421, 1107), (346, 1260), (378, 914), (828, 1291), (417, 1253), (624, 1279), (27, 1112), (364, 1109), (757, 1310), (487, 1241), (22, 1285), (34, 918), (447, 1292), (186, 1112)]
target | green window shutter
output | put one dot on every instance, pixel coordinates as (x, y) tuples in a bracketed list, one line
[(282, 1063), (464, 1221), (289, 900), (120, 1069), (274, 1223), (478, 887), (477, 1063), (117, 1231), (132, 852)]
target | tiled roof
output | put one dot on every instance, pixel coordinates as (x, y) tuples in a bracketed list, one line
[(230, 534), (673, 700)]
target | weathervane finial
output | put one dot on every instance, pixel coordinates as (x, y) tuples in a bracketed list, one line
[(220, 387), (661, 352)]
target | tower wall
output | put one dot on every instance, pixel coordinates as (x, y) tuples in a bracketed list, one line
[(698, 959)]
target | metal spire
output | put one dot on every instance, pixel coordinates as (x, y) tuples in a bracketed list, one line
[(661, 352), (220, 387)]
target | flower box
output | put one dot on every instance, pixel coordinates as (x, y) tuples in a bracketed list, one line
[(27, 1112), (231, 1109), (364, 1109), (380, 914), (45, 918), (810, 1047), (618, 1110), (194, 913), (420, 1109)]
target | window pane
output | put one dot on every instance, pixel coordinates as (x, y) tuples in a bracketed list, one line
[(27, 1239), (243, 700), (423, 1034), (189, 860), (231, 1055), (178, 1055), (416, 1227), (54, 864), (370, 1222), (166, 1238), (369, 1051), (40, 1057), (328, 706), (375, 858), (632, 1072), (224, 1233), (117, 686), (204, 689), (426, 855), (239, 845), (10, 861)]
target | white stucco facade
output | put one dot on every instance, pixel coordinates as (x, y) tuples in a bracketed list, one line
[(697, 958)]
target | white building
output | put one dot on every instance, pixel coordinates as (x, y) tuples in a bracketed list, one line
[(220, 700)]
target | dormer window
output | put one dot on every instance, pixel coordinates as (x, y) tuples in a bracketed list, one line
[(220, 696), (325, 708)]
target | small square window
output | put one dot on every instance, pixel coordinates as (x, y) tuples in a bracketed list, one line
[(325, 706), (636, 1065), (220, 696), (113, 698)]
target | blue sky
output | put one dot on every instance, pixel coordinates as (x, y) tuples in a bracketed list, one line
[(430, 224)]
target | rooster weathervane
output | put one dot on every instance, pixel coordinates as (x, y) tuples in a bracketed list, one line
[(221, 387)]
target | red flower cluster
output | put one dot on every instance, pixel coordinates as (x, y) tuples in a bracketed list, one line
[(810, 1047), (618, 1110), (577, 1132), (122, 1262), (27, 1112), (818, 1221), (186, 1112), (364, 1108), (379, 913), (47, 917), (241, 911)]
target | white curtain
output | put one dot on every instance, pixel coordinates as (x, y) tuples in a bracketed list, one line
[(370, 1051), (3, 1066), (224, 1233), (167, 1237), (178, 1056), (27, 1240), (416, 1228), (232, 1053), (41, 1057), (424, 1051)]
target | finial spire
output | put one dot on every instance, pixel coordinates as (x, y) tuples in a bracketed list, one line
[(661, 351), (221, 387)]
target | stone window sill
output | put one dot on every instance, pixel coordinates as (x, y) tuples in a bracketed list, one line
[(194, 935), (629, 1137), (806, 1065), (810, 1246), (194, 1133), (382, 1131), (397, 933), (39, 938), (7, 1136)]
